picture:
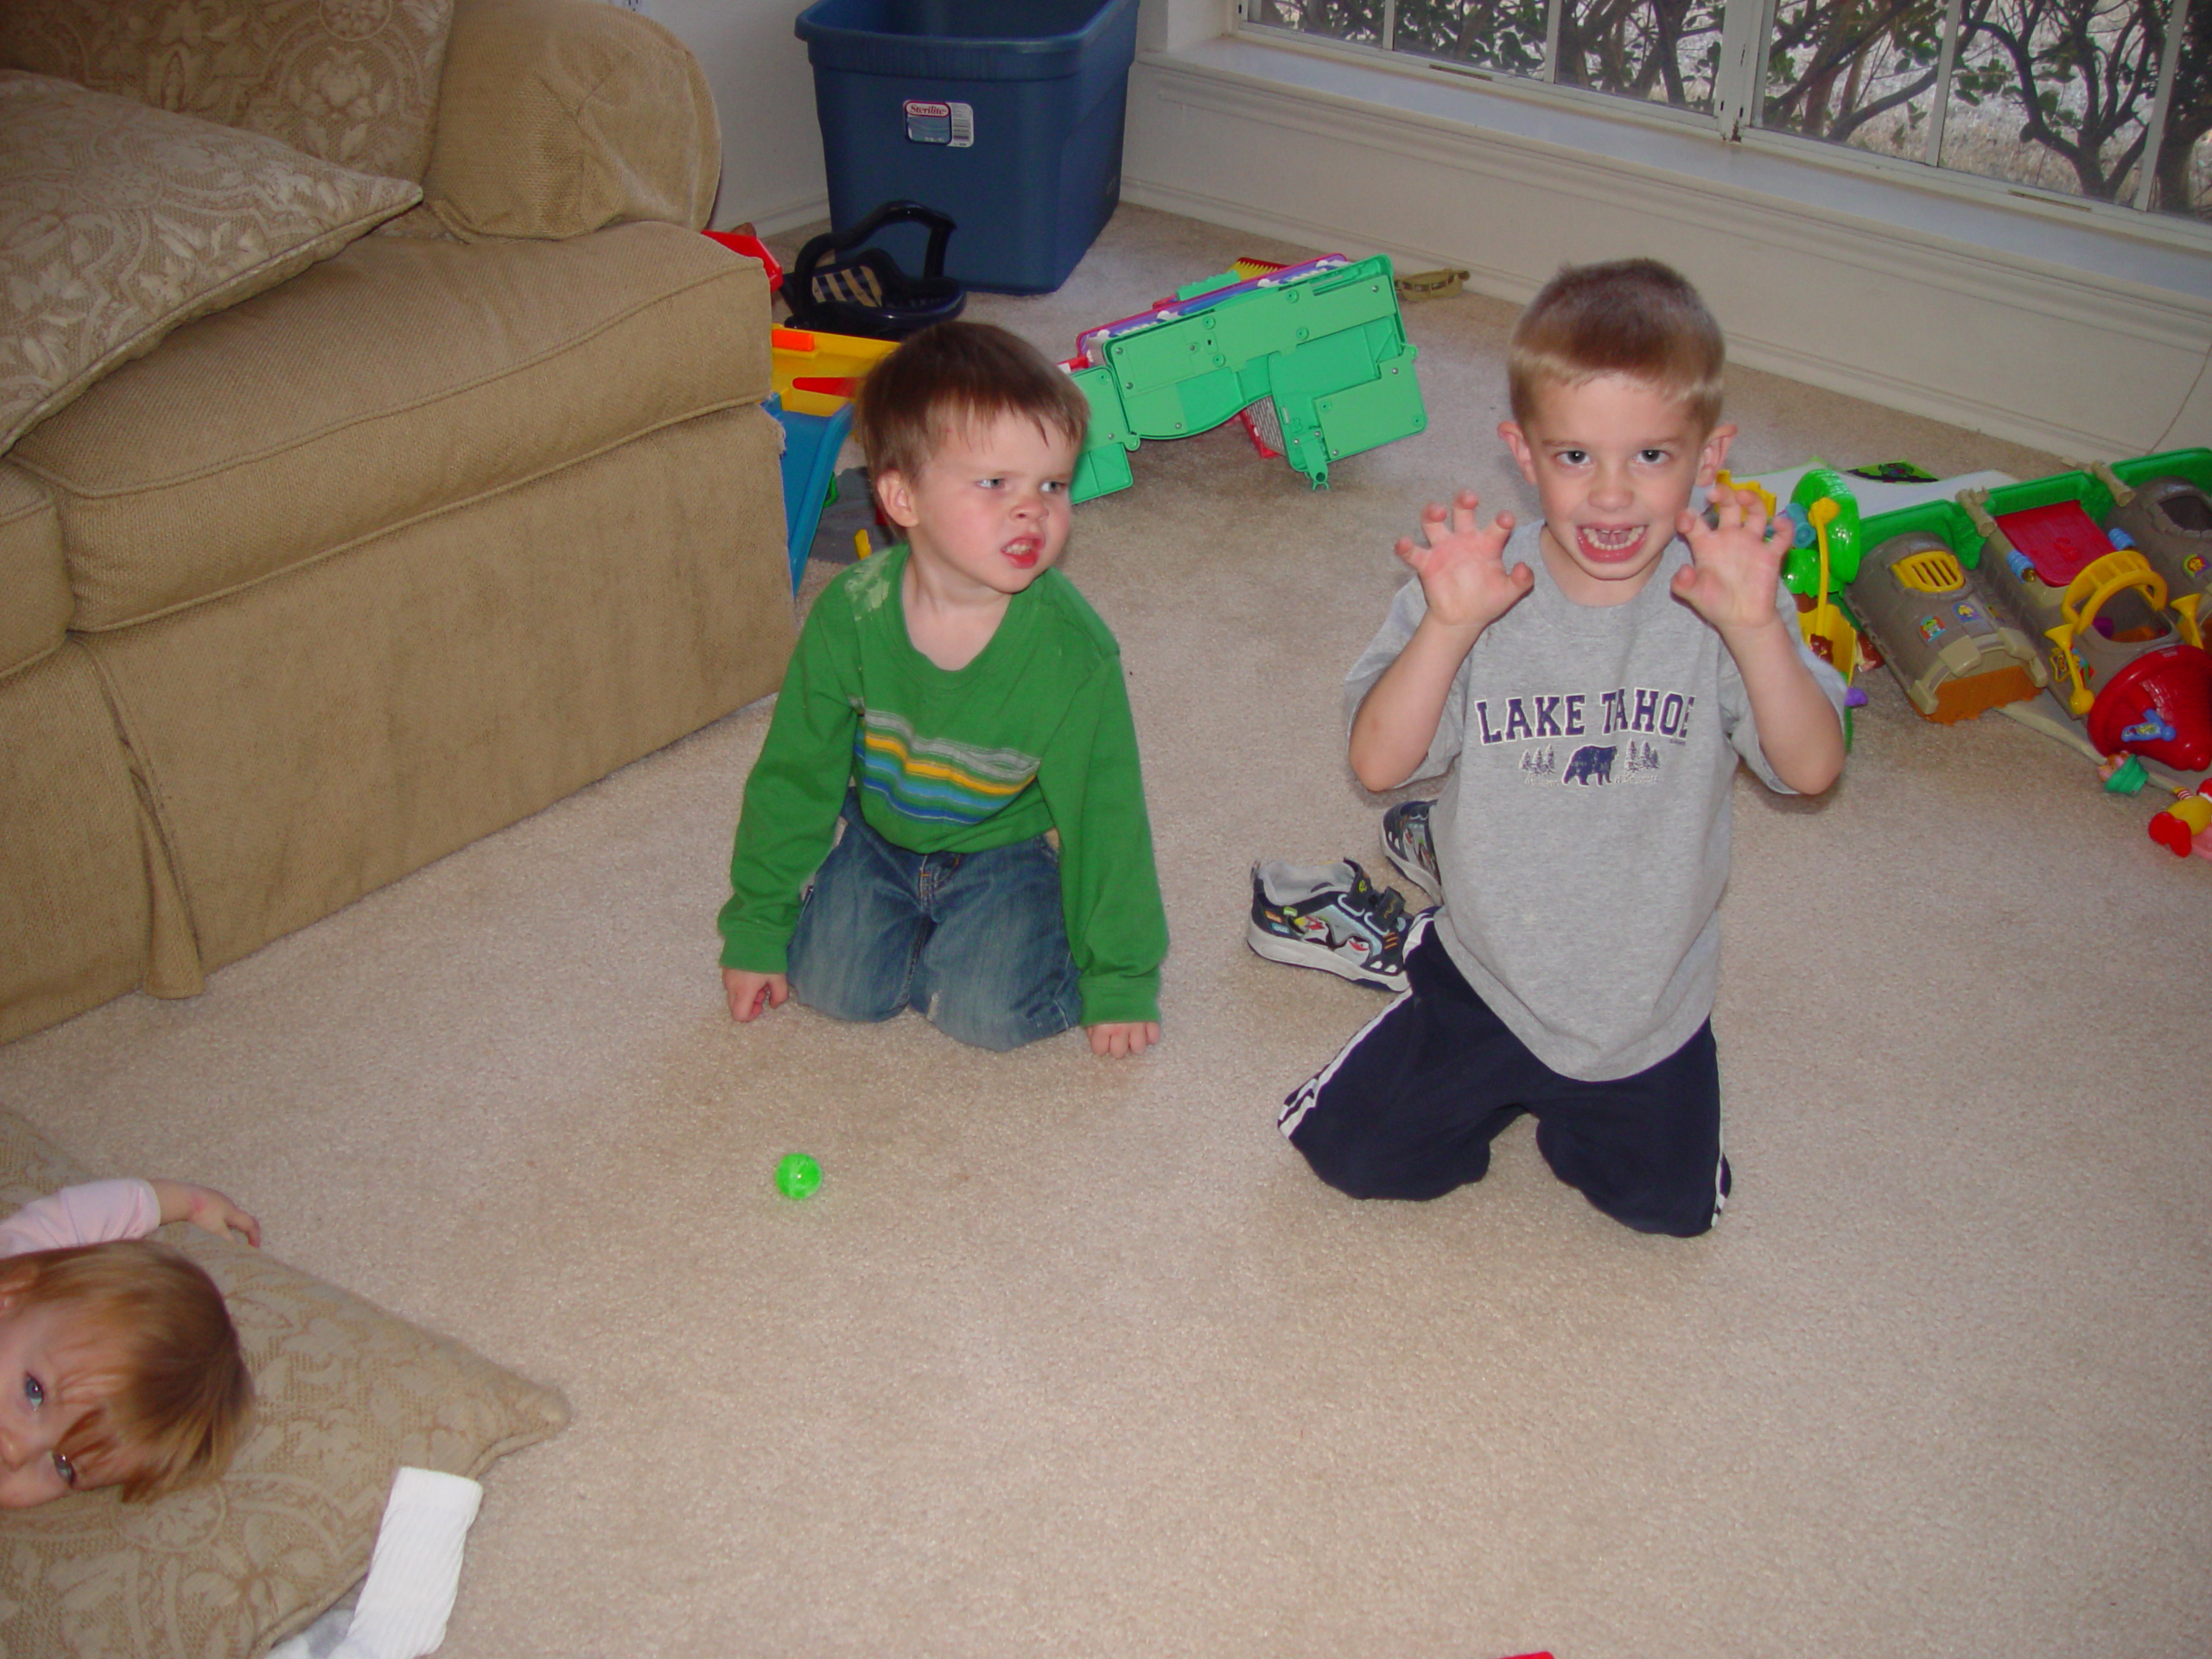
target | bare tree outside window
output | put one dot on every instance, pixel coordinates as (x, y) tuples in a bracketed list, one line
[(1835, 69), (2182, 181), (1503, 35), (1358, 21), (2054, 93), (2076, 78), (2060, 95), (1662, 50)]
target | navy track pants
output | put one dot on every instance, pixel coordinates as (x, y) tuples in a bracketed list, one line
[(1409, 1106)]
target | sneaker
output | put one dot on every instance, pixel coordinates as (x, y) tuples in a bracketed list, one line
[(1331, 916), (1405, 838)]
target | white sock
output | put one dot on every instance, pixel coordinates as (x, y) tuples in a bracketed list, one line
[(416, 1568)]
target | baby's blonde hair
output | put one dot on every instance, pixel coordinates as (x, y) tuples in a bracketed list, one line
[(153, 1360), (1631, 317)]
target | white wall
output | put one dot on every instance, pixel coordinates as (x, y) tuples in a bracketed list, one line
[(1169, 25), (764, 94)]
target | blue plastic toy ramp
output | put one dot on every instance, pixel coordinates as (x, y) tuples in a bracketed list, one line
[(810, 447)]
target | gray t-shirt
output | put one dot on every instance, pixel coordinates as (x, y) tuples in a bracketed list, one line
[(1583, 836)]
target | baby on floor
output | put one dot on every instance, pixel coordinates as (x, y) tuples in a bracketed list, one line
[(118, 1360)]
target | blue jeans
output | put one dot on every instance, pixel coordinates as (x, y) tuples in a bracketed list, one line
[(976, 942)]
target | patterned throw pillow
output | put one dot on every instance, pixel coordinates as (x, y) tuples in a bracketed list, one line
[(120, 222), (349, 1394), (353, 81)]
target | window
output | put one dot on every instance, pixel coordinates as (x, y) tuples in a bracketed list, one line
[(2109, 100)]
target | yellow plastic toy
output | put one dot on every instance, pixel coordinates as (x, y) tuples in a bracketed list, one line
[(1724, 481), (817, 373), (2116, 573), (1825, 621)]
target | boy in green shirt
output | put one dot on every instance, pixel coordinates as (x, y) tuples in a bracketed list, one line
[(952, 759)]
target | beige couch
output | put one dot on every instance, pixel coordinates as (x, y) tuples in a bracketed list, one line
[(348, 573)]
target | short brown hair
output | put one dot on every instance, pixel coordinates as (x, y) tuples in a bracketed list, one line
[(955, 376), (1632, 317), (156, 1362)]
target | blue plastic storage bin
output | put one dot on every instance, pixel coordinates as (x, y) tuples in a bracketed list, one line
[(1005, 114)]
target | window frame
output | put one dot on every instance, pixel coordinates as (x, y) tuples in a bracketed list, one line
[(1739, 95)]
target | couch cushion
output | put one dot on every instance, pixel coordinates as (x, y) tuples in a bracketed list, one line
[(120, 222), (313, 736), (559, 117), (34, 612), (356, 84), (398, 381)]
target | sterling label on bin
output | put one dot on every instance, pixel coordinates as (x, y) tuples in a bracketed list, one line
[(929, 122)]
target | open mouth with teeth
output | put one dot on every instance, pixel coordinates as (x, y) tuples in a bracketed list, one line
[(1021, 552), (1603, 545)]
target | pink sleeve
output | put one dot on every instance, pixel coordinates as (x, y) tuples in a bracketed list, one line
[(91, 1214)]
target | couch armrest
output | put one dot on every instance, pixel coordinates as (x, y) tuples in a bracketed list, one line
[(560, 116), (36, 604)]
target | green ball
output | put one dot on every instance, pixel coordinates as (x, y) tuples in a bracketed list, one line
[(798, 1175)]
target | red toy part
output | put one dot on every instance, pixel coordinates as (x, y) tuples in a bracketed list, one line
[(1264, 442), (2178, 827), (2060, 540), (752, 248), (2175, 683)]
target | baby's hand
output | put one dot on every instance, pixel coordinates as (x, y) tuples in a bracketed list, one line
[(1123, 1038), (751, 994), (205, 1209), (1462, 569), (1730, 578)]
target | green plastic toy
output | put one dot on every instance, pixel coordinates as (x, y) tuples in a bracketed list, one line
[(798, 1175), (1800, 570), (1319, 346)]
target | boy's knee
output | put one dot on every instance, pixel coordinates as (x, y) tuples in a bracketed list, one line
[(852, 1012), (1679, 1203), (969, 1015), (1003, 982), (847, 990), (1350, 1170), (1696, 1204), (1359, 1168), (1681, 1224)]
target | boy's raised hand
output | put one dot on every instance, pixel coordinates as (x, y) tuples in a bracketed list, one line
[(1462, 568), (1466, 587), (1734, 569), (751, 994)]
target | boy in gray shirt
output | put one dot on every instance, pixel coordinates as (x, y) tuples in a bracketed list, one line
[(1590, 683)]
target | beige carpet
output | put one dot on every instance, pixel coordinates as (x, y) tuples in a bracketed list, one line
[(1072, 1357)]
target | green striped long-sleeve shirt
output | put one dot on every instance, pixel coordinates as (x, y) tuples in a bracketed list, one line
[(1034, 734)]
